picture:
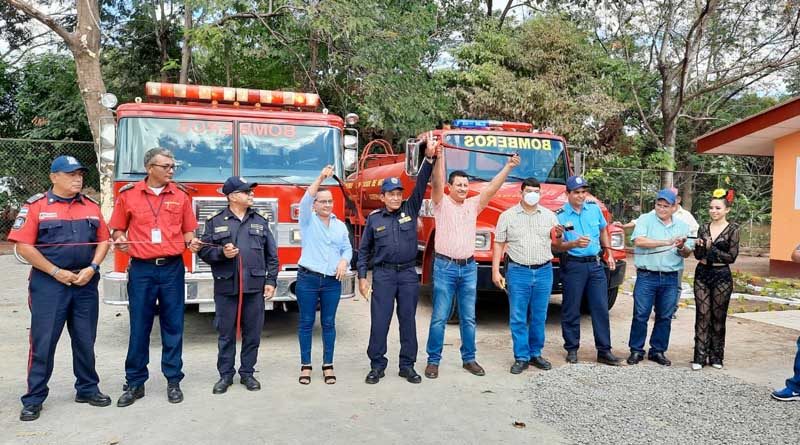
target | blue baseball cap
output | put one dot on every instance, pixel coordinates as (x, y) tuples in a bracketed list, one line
[(576, 182), (667, 195), (66, 164), (237, 184), (390, 184)]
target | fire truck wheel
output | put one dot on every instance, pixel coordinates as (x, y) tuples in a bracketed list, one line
[(612, 298)]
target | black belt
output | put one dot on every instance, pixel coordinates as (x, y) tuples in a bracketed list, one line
[(529, 266), (309, 271), (396, 266), (162, 261), (639, 270), (582, 259), (463, 262)]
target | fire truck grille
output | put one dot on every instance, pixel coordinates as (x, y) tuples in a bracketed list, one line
[(206, 207)]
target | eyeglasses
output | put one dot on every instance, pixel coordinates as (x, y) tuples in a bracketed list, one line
[(246, 192), (166, 167), (325, 202)]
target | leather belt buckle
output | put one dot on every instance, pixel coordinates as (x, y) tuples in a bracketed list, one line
[(160, 261)]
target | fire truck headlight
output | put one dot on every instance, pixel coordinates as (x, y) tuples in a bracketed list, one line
[(295, 212), (618, 240), (483, 240), (294, 236)]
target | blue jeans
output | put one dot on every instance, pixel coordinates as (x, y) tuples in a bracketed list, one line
[(794, 382), (312, 289), (450, 281), (653, 289), (528, 297)]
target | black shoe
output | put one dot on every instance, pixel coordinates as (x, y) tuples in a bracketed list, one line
[(374, 376), (221, 387), (98, 399), (174, 393), (607, 358), (30, 412), (635, 358), (659, 358), (250, 383), (541, 363), (410, 375), (519, 366), (572, 357), (131, 394)]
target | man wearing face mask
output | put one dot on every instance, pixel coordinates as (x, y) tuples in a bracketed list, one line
[(389, 244), (524, 234)]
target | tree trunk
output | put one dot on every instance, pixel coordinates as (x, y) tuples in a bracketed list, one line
[(186, 50)]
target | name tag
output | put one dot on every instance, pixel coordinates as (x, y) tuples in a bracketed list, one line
[(47, 215), (155, 236), (257, 226), (220, 229), (380, 229), (404, 220)]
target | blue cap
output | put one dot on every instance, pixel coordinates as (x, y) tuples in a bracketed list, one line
[(667, 195), (576, 182), (390, 184), (237, 184), (66, 164)]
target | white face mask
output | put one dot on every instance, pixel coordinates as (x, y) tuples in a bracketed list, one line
[(531, 198)]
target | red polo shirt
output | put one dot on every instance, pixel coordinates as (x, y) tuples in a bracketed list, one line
[(138, 210)]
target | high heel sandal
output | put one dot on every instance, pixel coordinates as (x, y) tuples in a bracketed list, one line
[(329, 379), (305, 379)]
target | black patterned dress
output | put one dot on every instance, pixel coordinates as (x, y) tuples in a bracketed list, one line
[(713, 285)]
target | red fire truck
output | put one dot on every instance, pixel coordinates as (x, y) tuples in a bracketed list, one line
[(473, 146), (275, 138)]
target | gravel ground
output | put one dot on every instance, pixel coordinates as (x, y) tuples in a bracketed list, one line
[(598, 404)]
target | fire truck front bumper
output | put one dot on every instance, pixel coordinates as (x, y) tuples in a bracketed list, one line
[(199, 289)]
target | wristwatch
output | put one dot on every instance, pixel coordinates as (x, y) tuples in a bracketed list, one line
[(95, 267)]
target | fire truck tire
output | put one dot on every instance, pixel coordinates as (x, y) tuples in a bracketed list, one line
[(612, 298)]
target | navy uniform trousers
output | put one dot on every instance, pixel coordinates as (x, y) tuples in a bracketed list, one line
[(226, 307), (148, 284), (388, 285), (53, 304), (579, 279)]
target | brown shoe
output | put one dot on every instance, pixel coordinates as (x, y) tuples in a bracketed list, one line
[(474, 368), (432, 371)]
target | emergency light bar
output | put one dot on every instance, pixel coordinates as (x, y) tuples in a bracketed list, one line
[(476, 124), (231, 95)]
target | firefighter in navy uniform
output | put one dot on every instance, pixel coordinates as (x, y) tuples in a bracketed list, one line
[(389, 244), (63, 281), (239, 231)]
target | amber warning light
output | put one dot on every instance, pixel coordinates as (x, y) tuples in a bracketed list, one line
[(178, 91)]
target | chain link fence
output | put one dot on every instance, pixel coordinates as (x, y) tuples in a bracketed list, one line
[(629, 192), (25, 170)]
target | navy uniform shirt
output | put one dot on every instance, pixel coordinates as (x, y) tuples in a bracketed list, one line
[(256, 247), (391, 237), (589, 222)]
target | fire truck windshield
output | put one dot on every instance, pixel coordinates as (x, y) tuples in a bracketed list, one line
[(280, 153), (203, 149), (543, 159)]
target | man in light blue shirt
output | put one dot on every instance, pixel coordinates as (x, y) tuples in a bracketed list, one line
[(323, 263), (660, 247)]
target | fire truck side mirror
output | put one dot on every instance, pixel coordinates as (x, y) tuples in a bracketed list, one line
[(412, 157), (108, 138), (350, 158)]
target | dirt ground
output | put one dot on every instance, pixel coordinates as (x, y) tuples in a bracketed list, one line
[(457, 407)]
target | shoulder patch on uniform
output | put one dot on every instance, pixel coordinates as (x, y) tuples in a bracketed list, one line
[(375, 211), (127, 187), (90, 198), (264, 214), (559, 210), (35, 198), (217, 213)]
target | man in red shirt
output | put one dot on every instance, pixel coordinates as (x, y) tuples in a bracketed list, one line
[(154, 222), (63, 235)]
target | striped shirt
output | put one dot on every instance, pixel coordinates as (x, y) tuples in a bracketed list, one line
[(456, 226), (527, 234)]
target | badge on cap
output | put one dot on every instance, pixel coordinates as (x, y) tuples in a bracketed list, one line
[(71, 160), (242, 179), (578, 180), (394, 181)]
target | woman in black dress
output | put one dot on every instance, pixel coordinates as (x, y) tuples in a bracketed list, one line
[(716, 248)]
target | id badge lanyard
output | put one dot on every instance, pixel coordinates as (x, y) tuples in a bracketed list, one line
[(155, 233)]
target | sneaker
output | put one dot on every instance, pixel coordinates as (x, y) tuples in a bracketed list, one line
[(786, 395), (716, 365), (696, 366)]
